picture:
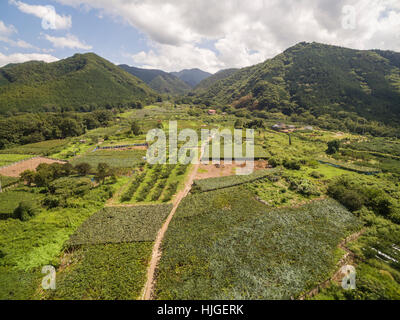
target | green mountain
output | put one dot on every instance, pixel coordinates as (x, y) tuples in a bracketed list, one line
[(158, 80), (318, 79), (81, 82), (207, 83), (192, 76)]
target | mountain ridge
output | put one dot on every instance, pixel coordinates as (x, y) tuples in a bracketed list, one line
[(158, 80), (318, 79), (81, 82)]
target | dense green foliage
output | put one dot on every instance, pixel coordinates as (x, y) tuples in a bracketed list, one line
[(82, 82), (192, 77), (10, 200), (207, 83), (105, 272), (225, 245), (122, 224), (321, 85), (160, 81), (33, 128)]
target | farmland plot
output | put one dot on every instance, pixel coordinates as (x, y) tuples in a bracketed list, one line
[(116, 159), (121, 224), (225, 245), (104, 272), (210, 184)]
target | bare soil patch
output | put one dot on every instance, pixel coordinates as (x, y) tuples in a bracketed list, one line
[(223, 170), (16, 169)]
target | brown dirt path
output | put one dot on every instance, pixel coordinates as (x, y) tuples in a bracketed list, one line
[(148, 291), (17, 168)]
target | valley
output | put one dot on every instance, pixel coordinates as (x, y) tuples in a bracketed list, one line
[(79, 194)]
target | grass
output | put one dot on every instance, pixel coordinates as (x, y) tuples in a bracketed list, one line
[(7, 159), (105, 272), (28, 246), (225, 245), (10, 200), (121, 224)]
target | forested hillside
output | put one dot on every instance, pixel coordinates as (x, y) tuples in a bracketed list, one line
[(220, 75), (317, 79), (82, 82), (158, 80), (192, 77)]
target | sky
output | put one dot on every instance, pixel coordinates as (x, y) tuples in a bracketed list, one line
[(179, 34)]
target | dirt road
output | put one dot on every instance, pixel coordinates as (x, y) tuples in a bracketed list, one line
[(156, 254)]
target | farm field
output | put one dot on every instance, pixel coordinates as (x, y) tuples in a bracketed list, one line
[(44, 236), (90, 269), (121, 225), (43, 148), (99, 234), (116, 159), (227, 251)]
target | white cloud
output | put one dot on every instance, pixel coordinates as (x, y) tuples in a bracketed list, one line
[(176, 58), (7, 31), (49, 16), (23, 57), (70, 41), (247, 32)]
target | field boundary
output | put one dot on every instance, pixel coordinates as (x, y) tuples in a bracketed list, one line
[(148, 290), (346, 258), (235, 184)]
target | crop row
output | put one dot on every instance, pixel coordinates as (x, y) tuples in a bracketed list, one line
[(127, 196), (210, 184), (122, 225), (253, 252)]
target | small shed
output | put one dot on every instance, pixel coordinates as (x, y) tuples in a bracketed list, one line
[(212, 112)]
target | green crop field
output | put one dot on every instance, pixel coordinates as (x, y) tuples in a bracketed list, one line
[(204, 185), (41, 148), (121, 224), (225, 245), (7, 181), (7, 159), (26, 246), (116, 159), (105, 272)]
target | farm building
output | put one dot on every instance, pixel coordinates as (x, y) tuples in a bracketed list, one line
[(212, 112), (279, 126)]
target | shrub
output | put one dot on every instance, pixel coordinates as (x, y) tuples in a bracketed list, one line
[(25, 211), (292, 164), (83, 168), (316, 175), (333, 147)]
